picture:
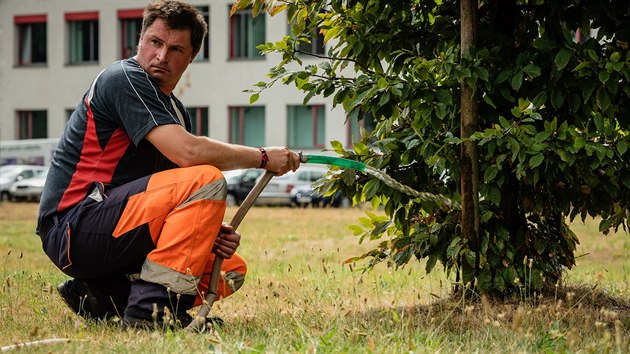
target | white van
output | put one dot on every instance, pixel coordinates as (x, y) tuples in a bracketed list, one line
[(278, 191)]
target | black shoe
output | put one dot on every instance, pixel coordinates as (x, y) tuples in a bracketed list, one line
[(85, 302)]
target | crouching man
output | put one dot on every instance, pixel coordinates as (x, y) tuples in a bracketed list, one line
[(133, 204)]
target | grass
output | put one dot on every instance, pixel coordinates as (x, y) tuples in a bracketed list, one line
[(300, 297)]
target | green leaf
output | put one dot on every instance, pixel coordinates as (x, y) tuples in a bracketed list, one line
[(494, 194), (574, 102), (240, 5), (503, 76), (603, 76), (603, 99), (499, 284), (532, 70), (579, 142), (483, 73), (557, 98), (615, 57), (489, 101), (484, 281), (540, 99), (337, 146), (622, 147), (371, 188), (253, 98), (536, 160), (542, 136), (516, 112), (361, 149), (517, 80), (504, 122), (380, 228), (599, 122), (431, 263), (444, 96), (582, 65), (490, 173), (562, 58), (356, 230), (453, 249), (258, 4)]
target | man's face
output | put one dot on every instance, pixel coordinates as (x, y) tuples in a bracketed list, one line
[(165, 53)]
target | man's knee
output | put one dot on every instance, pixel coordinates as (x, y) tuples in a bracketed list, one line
[(234, 280), (213, 185)]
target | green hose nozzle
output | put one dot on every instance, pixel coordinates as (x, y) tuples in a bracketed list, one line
[(330, 160)]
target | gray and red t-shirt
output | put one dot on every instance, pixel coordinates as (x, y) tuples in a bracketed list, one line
[(104, 138)]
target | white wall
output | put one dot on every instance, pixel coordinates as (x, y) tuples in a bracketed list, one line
[(217, 83)]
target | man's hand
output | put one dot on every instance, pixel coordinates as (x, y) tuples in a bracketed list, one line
[(281, 160), (227, 242)]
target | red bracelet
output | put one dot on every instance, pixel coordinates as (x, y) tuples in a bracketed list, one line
[(264, 157)]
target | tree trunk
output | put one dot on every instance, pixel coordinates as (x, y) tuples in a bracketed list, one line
[(469, 155)]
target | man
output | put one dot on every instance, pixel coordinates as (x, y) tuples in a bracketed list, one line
[(133, 203)]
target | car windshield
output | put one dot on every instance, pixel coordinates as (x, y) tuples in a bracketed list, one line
[(41, 173)]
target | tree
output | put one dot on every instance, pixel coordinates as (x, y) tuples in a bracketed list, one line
[(551, 135)]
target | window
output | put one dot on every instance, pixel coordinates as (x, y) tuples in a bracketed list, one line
[(316, 45), (199, 119), (31, 32), (82, 37), (247, 125), (204, 52), (306, 126), (32, 124), (130, 28), (246, 32), (355, 126)]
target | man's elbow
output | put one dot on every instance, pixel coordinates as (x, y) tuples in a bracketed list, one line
[(187, 157)]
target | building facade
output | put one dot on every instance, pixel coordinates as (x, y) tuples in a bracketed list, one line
[(51, 50)]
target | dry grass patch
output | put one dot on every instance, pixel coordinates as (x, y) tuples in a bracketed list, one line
[(300, 297)]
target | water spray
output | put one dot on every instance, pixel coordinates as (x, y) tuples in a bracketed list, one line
[(387, 179)]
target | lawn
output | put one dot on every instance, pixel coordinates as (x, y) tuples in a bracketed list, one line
[(300, 297)]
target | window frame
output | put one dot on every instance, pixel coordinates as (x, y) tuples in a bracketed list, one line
[(241, 125), (204, 52), (125, 16), (232, 23), (26, 132), (317, 45), (197, 120), (314, 143), (72, 18), (25, 21)]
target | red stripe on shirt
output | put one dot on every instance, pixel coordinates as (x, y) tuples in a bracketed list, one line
[(95, 164)]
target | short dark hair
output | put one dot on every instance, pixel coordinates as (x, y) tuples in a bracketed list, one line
[(177, 15)]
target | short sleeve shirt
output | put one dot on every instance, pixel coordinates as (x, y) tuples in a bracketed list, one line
[(104, 140)]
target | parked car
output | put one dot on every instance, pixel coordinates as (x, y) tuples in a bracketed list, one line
[(239, 183), (10, 174), (278, 191), (306, 195), (29, 188)]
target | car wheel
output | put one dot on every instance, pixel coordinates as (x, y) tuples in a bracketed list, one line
[(5, 196), (230, 200)]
